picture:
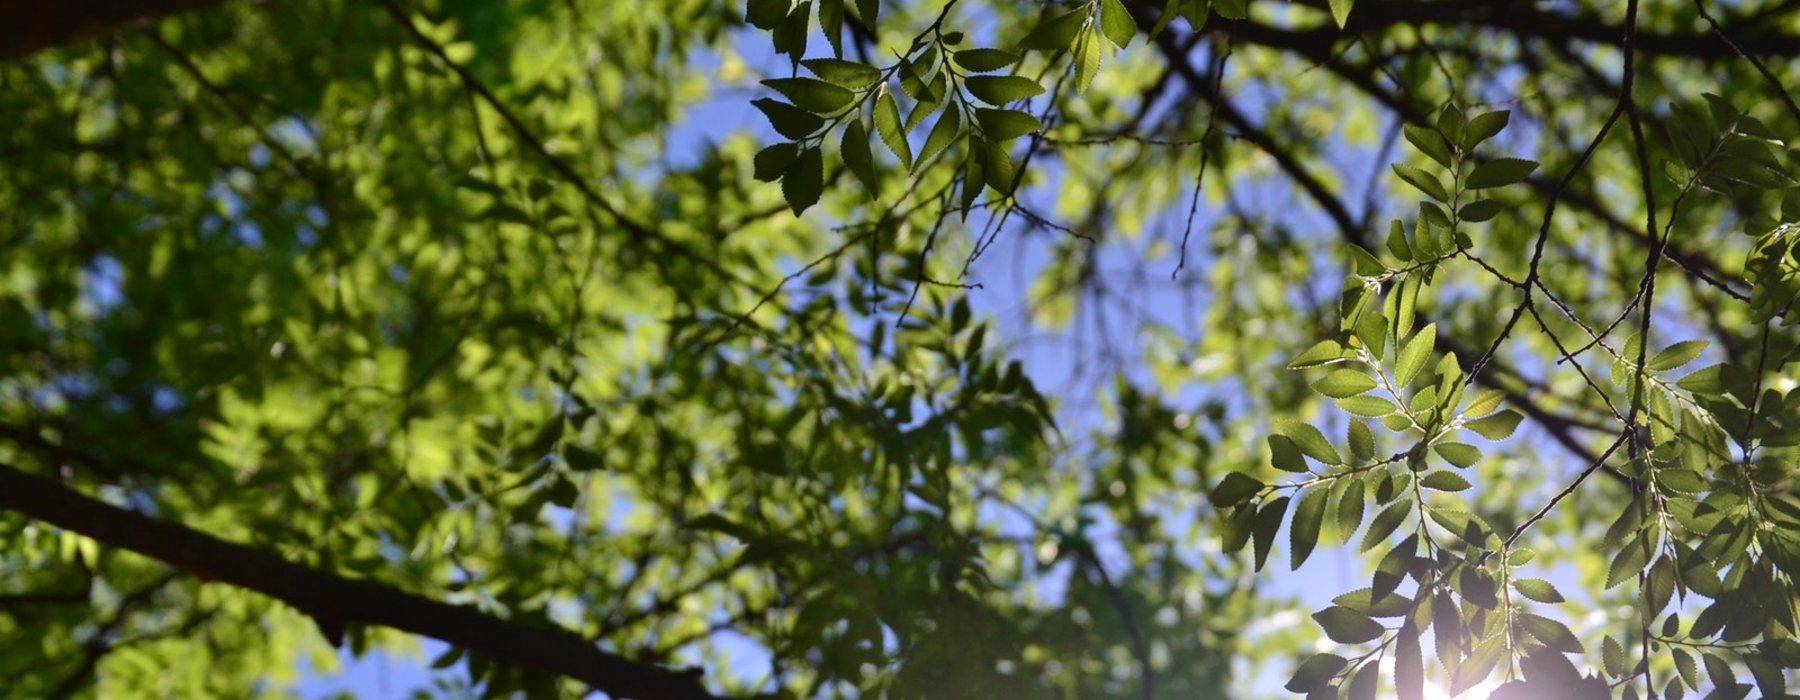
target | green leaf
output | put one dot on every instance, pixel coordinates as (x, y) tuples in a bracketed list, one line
[(831, 24), (1322, 352), (1459, 454), (1350, 510), (1480, 210), (1396, 242), (563, 493), (1685, 666), (1496, 427), (1537, 589), (1232, 9), (1366, 406), (788, 120), (582, 459), (1483, 127), (1364, 262), (1429, 142), (1000, 89), (766, 14), (869, 11), (1116, 22), (997, 165), (1172, 9), (1284, 455), (1309, 519), (804, 181), (790, 35), (1403, 301), (472, 182), (1371, 329), (1499, 172), (1706, 381), (1262, 530), (1612, 655), (1676, 355), (1480, 663), (913, 83), (1316, 672), (1087, 60), (772, 162), (1362, 440), (858, 159), (1681, 480), (1234, 489), (1553, 634), (1628, 562), (1340, 11), (448, 658), (984, 60), (1385, 523), (1005, 124), (1409, 664), (1055, 33), (812, 95), (1346, 626), (1659, 586), (1311, 442), (849, 74), (1769, 677), (973, 182), (887, 126), (1366, 682), (506, 213), (948, 127), (1343, 383), (1484, 403), (1718, 670), (1413, 355), (1444, 481), (1234, 528), (1450, 123), (1363, 601), (1423, 181)]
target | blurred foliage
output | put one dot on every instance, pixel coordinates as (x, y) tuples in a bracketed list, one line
[(688, 327)]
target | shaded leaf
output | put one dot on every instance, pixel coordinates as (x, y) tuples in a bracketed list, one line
[(788, 120), (1235, 488), (805, 180), (1499, 172), (1055, 33), (1309, 518), (1000, 89), (1006, 124), (1347, 626), (1537, 589), (984, 60), (1496, 427), (1116, 22), (848, 74)]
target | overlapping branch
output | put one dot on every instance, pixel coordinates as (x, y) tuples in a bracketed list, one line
[(335, 601)]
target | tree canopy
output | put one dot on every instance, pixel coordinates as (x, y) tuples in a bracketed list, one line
[(901, 348)]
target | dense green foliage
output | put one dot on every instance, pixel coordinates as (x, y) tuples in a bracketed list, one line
[(1003, 350)]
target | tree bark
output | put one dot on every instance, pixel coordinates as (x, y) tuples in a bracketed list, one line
[(334, 600), (29, 26)]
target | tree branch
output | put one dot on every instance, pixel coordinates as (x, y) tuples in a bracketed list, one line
[(29, 27), (334, 600)]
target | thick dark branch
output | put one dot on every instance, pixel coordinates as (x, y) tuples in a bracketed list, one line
[(1520, 19), (334, 600), (29, 26)]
